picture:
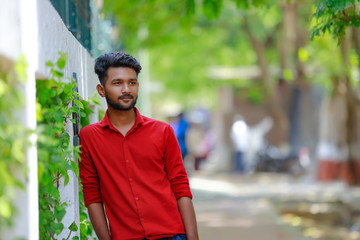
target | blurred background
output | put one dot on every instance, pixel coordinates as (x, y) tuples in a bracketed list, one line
[(263, 96)]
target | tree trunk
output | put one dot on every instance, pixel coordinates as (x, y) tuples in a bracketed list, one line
[(265, 78), (288, 34), (351, 124)]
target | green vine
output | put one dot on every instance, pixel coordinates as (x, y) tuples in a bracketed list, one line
[(86, 228), (56, 154), (13, 135)]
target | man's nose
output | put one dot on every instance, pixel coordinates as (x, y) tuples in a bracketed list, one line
[(126, 88)]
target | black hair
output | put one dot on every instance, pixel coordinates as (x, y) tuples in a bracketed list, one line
[(114, 59)]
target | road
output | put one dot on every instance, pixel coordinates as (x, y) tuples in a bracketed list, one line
[(235, 207)]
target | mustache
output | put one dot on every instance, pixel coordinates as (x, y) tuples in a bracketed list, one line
[(126, 96)]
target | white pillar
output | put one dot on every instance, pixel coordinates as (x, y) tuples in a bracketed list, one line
[(26, 222), (29, 43)]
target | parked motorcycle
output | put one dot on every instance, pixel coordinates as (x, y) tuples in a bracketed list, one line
[(272, 159)]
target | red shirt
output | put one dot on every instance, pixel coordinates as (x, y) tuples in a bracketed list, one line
[(138, 177)]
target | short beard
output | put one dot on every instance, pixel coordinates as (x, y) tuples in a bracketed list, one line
[(119, 106)]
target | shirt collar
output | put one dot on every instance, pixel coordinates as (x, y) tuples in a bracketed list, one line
[(106, 122)]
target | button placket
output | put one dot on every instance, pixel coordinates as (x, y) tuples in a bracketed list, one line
[(132, 183)]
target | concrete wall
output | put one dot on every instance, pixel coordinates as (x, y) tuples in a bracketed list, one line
[(49, 35), (10, 40), (54, 37)]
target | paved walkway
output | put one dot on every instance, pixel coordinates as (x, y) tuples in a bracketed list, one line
[(234, 207)]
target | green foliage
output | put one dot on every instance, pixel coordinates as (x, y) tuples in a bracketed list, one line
[(137, 19), (87, 109), (334, 17), (212, 8), (56, 155), (13, 140), (246, 4), (255, 94), (324, 61), (184, 48), (101, 114), (183, 65)]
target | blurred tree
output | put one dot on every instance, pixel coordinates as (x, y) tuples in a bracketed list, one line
[(341, 19), (171, 26), (184, 42), (182, 46), (272, 26)]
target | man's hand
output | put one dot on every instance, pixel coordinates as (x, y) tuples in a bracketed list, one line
[(98, 221), (187, 212)]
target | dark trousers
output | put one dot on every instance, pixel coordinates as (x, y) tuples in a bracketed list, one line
[(176, 237)]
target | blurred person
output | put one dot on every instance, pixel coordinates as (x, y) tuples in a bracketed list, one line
[(256, 141), (131, 165), (239, 136), (199, 144), (180, 126)]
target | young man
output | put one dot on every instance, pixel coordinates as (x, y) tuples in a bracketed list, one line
[(131, 165)]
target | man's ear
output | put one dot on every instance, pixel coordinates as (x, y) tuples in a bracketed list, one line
[(101, 90)]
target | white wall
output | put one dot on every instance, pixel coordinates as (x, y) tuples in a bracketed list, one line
[(52, 37), (17, 18), (10, 28)]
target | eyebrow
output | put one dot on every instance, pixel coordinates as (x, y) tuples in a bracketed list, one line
[(120, 79)]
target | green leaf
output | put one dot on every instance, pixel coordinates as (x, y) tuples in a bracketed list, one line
[(68, 88), (5, 208), (58, 227), (59, 213), (79, 104), (66, 179), (49, 64), (76, 94), (73, 227), (20, 68), (57, 73), (61, 62)]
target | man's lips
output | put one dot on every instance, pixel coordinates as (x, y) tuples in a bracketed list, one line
[(127, 97)]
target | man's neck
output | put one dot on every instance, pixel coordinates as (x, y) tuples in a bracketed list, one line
[(122, 120)]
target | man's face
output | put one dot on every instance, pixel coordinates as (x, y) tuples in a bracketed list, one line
[(121, 88)]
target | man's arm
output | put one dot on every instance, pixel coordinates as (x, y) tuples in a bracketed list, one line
[(188, 217), (98, 221)]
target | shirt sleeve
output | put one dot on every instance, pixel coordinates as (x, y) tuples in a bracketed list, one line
[(88, 175), (174, 166)]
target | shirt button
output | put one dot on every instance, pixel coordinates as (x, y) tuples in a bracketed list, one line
[(127, 160), (130, 179), (136, 198)]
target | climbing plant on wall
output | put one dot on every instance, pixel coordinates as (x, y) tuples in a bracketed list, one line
[(56, 154), (13, 135)]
